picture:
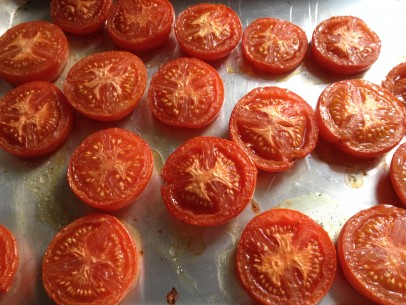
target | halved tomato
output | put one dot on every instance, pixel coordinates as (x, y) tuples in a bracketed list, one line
[(106, 86), (31, 51), (285, 258), (9, 259), (395, 81), (398, 172), (345, 45), (371, 252), (274, 45), (93, 260), (35, 119), (140, 25), (274, 126), (207, 181), (360, 117), (80, 16), (110, 168), (208, 31), (186, 92)]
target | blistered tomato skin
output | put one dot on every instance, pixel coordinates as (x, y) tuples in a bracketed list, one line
[(395, 81), (9, 259)]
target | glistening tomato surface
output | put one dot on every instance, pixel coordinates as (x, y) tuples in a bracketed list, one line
[(207, 181), (92, 261), (208, 31), (398, 172), (285, 258), (35, 119), (30, 51), (186, 92), (8, 259), (140, 25), (110, 168), (361, 118), (395, 81), (371, 251), (106, 86), (274, 126), (345, 45), (80, 16), (274, 45)]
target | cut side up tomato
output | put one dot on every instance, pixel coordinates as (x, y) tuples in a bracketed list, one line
[(395, 81), (398, 172), (9, 259)]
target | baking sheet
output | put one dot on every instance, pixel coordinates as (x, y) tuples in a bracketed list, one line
[(36, 201)]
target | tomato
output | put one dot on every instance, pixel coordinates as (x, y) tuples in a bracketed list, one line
[(106, 86), (345, 45), (35, 119), (361, 118), (274, 126), (34, 50), (398, 172), (207, 181), (9, 259), (110, 168), (208, 31), (186, 92), (371, 252), (80, 16), (140, 25), (93, 260), (395, 81), (285, 258), (274, 45)]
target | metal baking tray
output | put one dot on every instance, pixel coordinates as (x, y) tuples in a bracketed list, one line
[(199, 262)]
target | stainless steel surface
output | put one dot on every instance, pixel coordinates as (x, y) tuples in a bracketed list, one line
[(36, 201)]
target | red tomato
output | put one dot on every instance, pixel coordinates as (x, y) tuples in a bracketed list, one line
[(398, 172), (207, 181), (274, 45), (35, 119), (8, 259), (186, 92), (345, 45), (395, 81), (208, 31), (140, 25), (371, 252), (274, 126), (92, 261), (361, 118), (35, 50), (110, 169), (80, 16), (106, 86), (285, 258)]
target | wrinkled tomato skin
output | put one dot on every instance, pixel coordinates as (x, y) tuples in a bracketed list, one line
[(395, 81), (22, 56), (398, 172), (371, 253), (9, 259)]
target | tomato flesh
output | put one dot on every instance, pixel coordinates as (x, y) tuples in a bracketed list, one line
[(93, 260), (395, 81), (274, 126), (31, 51), (9, 259), (398, 172), (207, 181), (285, 258), (371, 251), (186, 92)]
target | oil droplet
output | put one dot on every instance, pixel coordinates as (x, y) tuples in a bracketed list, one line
[(354, 178)]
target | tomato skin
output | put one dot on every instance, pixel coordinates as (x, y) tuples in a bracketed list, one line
[(398, 173), (201, 24), (371, 253), (395, 81), (35, 119), (274, 126), (274, 45), (78, 16), (361, 118), (207, 181), (186, 92), (285, 258), (345, 45), (140, 25), (9, 259), (110, 169), (92, 261), (22, 55), (106, 86)]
